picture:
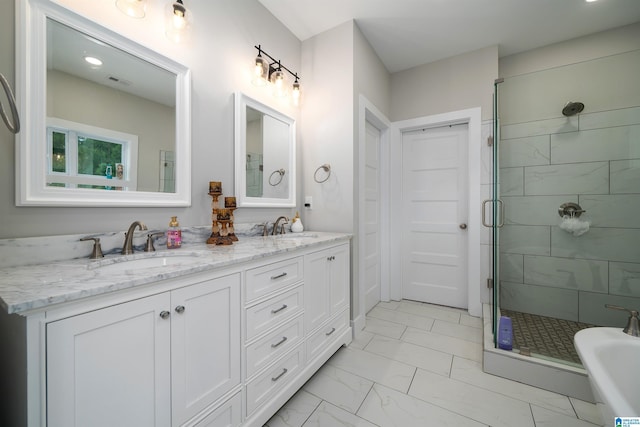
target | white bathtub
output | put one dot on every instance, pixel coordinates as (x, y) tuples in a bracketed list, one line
[(612, 359)]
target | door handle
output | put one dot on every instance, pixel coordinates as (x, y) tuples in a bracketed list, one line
[(463, 226)]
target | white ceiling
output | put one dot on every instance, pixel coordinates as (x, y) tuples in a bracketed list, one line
[(407, 33)]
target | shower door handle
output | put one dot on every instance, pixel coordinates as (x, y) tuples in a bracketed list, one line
[(484, 213)]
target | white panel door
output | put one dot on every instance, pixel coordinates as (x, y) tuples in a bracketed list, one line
[(110, 367), (371, 217), (205, 344), (435, 212)]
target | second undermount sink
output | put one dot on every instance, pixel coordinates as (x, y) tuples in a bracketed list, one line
[(130, 265)]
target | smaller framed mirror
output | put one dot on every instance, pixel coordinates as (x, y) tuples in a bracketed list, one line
[(265, 155)]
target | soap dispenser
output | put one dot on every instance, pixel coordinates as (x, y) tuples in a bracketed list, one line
[(174, 234), (296, 224)]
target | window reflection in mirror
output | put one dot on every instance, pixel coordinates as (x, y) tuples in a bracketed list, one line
[(122, 95)]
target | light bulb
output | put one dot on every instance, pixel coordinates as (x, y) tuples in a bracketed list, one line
[(277, 78), (295, 93), (177, 21), (133, 8)]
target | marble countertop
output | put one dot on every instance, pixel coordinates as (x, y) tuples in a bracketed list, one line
[(26, 288)]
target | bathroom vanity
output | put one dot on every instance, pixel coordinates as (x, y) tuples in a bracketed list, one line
[(204, 336)]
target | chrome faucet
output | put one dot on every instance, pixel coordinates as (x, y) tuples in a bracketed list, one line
[(127, 248), (633, 326), (275, 225)]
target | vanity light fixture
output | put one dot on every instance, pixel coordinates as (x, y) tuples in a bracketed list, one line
[(132, 8), (265, 72), (178, 21)]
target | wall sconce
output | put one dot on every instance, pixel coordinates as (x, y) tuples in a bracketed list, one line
[(272, 72), (177, 21), (132, 8)]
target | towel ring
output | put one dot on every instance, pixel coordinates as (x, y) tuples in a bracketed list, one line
[(15, 126), (327, 168), (280, 172)]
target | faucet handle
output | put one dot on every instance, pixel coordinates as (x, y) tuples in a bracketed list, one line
[(96, 253), (149, 246), (633, 325)]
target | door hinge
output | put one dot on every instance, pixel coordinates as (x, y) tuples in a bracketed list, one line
[(490, 283), (490, 141)]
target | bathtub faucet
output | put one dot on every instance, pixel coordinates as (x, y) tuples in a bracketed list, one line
[(633, 326)]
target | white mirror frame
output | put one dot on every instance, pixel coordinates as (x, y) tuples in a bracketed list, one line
[(31, 142), (242, 101)]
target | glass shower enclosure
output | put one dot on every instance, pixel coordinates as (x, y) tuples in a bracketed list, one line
[(566, 197)]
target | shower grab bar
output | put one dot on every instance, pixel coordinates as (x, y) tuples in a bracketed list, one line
[(15, 126), (500, 224)]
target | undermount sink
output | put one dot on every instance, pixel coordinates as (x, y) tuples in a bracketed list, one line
[(129, 265)]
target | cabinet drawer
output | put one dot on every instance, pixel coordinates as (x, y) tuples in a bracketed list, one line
[(262, 280), (273, 345), (317, 342), (269, 313), (274, 378), (228, 414)]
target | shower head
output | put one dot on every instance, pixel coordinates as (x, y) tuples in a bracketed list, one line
[(572, 108)]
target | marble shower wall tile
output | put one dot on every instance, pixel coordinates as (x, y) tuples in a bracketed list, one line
[(511, 182), (525, 239), (529, 151), (622, 117), (542, 300), (624, 279), (613, 244), (512, 267), (592, 309), (618, 143), (578, 178), (539, 127), (612, 211), (567, 273), (625, 175), (535, 210)]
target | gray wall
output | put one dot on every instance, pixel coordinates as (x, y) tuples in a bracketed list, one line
[(220, 55)]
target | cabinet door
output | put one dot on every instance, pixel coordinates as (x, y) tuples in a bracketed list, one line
[(110, 367), (339, 278), (205, 344), (316, 289)]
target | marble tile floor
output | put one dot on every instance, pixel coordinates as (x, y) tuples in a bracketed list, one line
[(420, 365)]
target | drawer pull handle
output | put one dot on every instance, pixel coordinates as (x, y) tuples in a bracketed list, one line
[(278, 276), (180, 309), (284, 371), (278, 310), (279, 342), (165, 314), (331, 258), (330, 332)]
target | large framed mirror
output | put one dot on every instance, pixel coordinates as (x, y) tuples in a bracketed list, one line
[(265, 155), (107, 120)]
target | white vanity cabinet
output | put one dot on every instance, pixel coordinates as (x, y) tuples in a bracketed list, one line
[(326, 273), (154, 361), (225, 343)]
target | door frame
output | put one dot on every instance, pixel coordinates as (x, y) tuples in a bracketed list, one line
[(472, 117), (367, 112)]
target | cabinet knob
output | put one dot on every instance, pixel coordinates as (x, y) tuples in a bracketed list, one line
[(463, 226), (180, 309), (165, 314)]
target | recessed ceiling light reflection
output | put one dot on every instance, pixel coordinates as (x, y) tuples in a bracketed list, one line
[(93, 61)]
